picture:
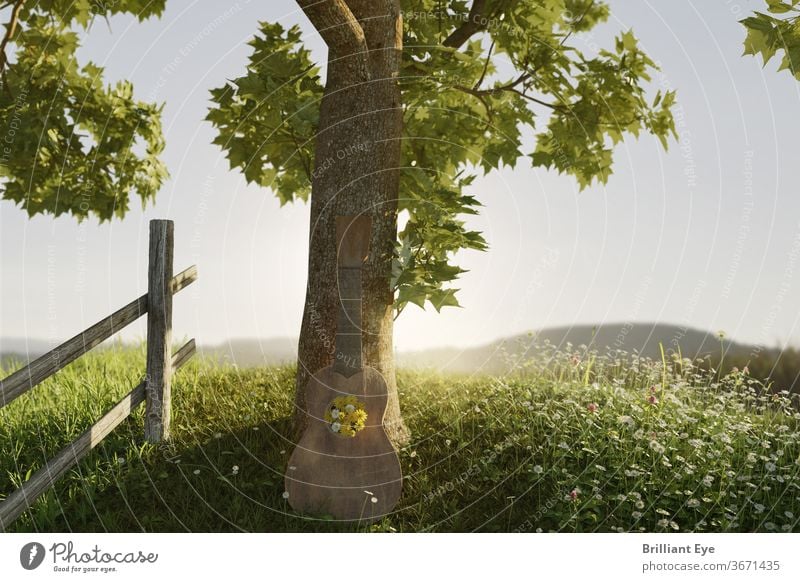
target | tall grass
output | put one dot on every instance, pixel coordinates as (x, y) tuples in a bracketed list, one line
[(572, 442)]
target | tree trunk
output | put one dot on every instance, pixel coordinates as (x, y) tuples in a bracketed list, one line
[(357, 162)]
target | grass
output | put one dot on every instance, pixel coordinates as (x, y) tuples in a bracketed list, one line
[(571, 443)]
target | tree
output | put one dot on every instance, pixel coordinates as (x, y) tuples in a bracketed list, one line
[(421, 96), (71, 144), (777, 31)]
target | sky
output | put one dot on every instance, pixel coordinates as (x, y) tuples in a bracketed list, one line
[(705, 235)]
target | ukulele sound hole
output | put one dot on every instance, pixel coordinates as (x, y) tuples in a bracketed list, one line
[(346, 416)]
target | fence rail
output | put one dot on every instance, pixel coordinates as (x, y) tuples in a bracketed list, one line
[(154, 390)]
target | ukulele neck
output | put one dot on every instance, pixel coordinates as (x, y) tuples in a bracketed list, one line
[(352, 241), (348, 322)]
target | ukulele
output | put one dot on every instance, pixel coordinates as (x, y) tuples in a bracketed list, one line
[(344, 465)]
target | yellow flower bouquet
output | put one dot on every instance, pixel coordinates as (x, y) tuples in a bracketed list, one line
[(346, 416)]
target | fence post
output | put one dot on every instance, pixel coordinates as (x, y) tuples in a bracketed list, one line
[(159, 331)]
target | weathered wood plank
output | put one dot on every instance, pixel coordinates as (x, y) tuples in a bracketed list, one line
[(56, 467), (43, 367), (159, 331)]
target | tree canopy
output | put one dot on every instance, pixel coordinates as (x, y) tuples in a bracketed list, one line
[(70, 143), (777, 30), (476, 77)]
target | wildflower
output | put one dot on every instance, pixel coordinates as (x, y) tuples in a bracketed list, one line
[(121, 460), (573, 495), (285, 495), (374, 500), (663, 522), (769, 525), (652, 399), (708, 480), (637, 515), (196, 471), (334, 413), (759, 508), (693, 503), (770, 467), (538, 469), (336, 426), (235, 469), (413, 454), (448, 442), (576, 359), (592, 407), (626, 420)]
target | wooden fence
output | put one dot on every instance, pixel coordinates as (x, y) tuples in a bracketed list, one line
[(154, 389)]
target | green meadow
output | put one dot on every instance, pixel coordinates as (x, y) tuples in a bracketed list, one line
[(571, 442)]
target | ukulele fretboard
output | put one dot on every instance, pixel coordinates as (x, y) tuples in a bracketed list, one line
[(347, 359)]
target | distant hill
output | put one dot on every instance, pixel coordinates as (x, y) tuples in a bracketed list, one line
[(643, 339), (14, 349), (494, 357), (247, 353)]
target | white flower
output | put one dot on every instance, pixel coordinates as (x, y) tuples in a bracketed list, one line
[(196, 471), (626, 420), (335, 413), (693, 503), (286, 495), (235, 469), (217, 435), (770, 467), (374, 500), (336, 426), (350, 408), (759, 508), (708, 480), (121, 460), (538, 469)]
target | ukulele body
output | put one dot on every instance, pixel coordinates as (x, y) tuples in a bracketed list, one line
[(353, 478)]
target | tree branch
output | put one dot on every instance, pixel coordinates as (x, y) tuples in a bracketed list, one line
[(11, 28), (469, 27), (339, 28)]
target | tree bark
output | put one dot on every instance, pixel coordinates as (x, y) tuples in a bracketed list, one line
[(357, 161)]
